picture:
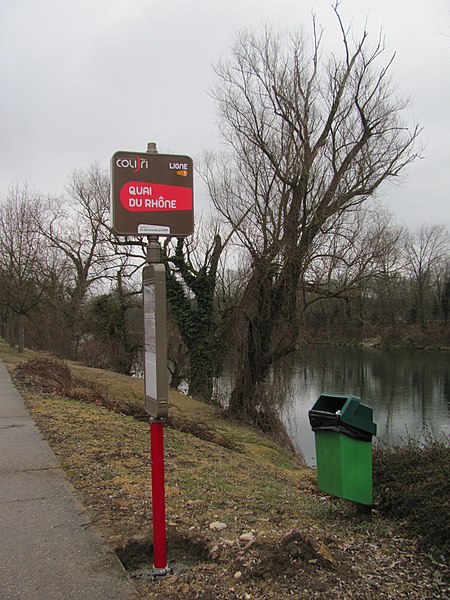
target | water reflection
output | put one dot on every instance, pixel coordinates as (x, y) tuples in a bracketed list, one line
[(408, 391)]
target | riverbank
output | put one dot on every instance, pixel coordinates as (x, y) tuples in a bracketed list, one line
[(435, 337), (244, 519)]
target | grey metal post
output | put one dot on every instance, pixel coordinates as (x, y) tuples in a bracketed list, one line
[(155, 328), (153, 250)]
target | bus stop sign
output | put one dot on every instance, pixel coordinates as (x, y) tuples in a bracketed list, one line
[(152, 194)]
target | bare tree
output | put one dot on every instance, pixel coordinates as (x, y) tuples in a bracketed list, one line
[(427, 252), (359, 258), (22, 257), (77, 227), (360, 246), (309, 140), (445, 291)]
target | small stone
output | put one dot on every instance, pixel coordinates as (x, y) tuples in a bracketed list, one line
[(116, 540), (247, 537), (227, 542), (238, 575), (217, 526), (247, 596)]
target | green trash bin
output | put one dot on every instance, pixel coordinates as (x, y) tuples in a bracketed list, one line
[(343, 429)]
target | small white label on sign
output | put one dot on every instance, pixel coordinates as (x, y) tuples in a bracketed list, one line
[(152, 229), (150, 375)]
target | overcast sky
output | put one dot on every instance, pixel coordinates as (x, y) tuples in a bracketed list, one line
[(81, 79)]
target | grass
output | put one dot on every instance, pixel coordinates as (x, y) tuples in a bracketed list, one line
[(306, 544)]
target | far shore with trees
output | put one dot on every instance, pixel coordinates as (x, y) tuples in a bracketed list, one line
[(296, 250)]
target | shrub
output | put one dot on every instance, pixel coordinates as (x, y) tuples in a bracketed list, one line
[(412, 483), (55, 377), (44, 375)]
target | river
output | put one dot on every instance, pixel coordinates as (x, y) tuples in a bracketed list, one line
[(409, 391)]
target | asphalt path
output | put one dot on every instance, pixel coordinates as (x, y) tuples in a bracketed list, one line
[(48, 548)]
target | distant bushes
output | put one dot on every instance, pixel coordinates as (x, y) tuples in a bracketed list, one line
[(413, 483)]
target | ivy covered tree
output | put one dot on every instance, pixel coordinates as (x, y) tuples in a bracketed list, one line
[(191, 285)]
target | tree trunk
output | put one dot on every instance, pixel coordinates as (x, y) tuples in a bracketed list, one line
[(267, 328), (202, 370), (10, 328), (21, 337), (175, 380), (244, 404)]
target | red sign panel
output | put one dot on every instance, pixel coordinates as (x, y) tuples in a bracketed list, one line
[(152, 194), (136, 197)]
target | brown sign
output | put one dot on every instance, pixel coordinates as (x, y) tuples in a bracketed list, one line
[(152, 194)]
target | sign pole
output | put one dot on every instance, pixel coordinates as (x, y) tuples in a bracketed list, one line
[(158, 497), (152, 195), (157, 441), (157, 438)]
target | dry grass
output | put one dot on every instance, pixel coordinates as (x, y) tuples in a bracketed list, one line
[(303, 545)]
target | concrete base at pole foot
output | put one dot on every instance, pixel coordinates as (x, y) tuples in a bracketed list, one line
[(158, 573)]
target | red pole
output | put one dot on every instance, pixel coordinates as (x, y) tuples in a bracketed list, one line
[(158, 494)]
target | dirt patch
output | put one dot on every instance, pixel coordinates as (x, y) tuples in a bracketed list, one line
[(295, 558), (280, 559), (203, 568), (184, 553)]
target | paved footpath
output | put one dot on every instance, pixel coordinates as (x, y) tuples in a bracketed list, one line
[(48, 550)]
